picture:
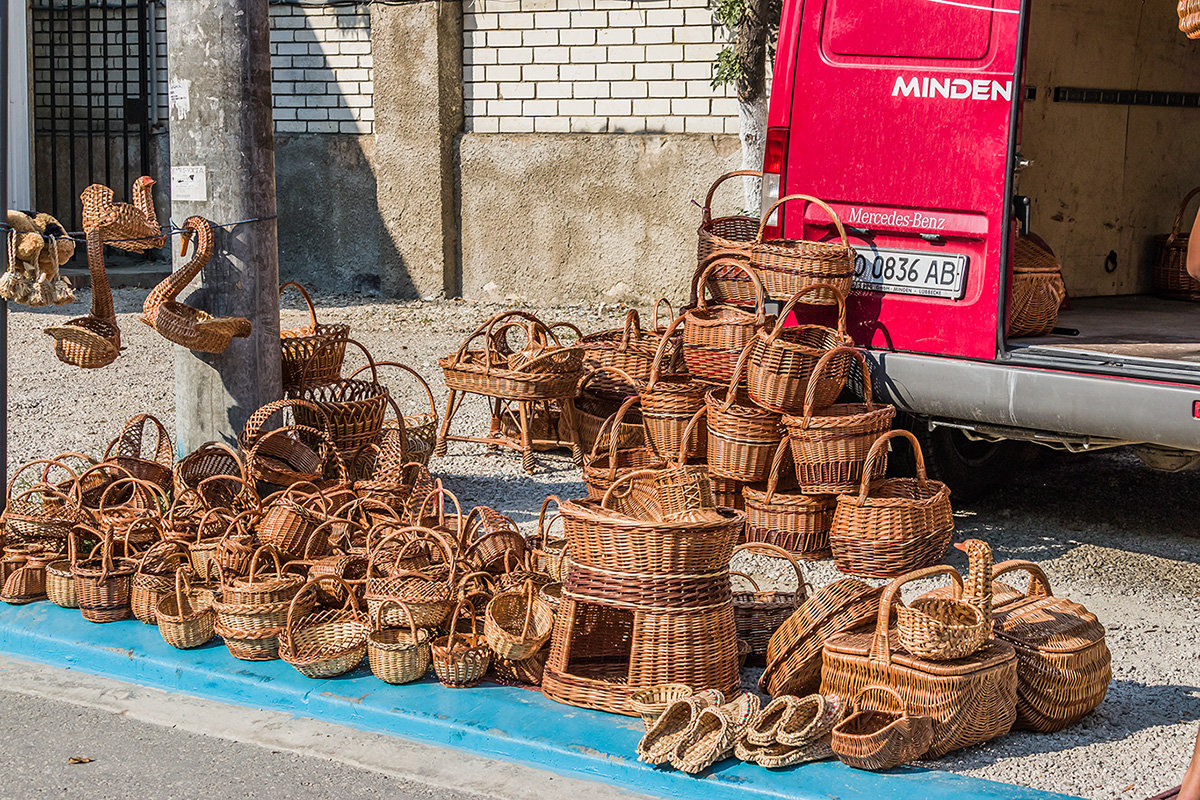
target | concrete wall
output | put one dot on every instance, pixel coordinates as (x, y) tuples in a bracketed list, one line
[(575, 217)]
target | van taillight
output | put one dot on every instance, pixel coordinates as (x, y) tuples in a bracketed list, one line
[(774, 167)]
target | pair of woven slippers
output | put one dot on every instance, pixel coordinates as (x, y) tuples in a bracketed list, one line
[(790, 730), (697, 732)]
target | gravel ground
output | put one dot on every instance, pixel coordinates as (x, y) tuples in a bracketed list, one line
[(1110, 534)]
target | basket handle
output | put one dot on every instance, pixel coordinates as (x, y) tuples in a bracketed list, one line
[(458, 608), (612, 425), (247, 489), (442, 493), (879, 448), (746, 577), (154, 492), (61, 461), (376, 619), (312, 311), (326, 344), (229, 451), (857, 703), (632, 331), (254, 425), (731, 391), (181, 581), (1175, 229), (350, 604), (410, 371), (252, 571), (586, 379), (841, 229), (1039, 584), (235, 524), (810, 391), (49, 462), (778, 552), (654, 318), (687, 434), (659, 351), (729, 258), (881, 644), (707, 209), (838, 295), (628, 477), (542, 529), (129, 443), (777, 466)]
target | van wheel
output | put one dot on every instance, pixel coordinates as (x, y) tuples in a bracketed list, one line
[(972, 469)]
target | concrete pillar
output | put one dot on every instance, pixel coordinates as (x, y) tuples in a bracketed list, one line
[(220, 88), (417, 56)]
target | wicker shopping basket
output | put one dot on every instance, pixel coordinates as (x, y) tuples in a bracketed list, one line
[(971, 700), (893, 525), (735, 232), (353, 408), (460, 660), (715, 336), (593, 408), (1170, 276), (282, 456), (516, 623), (830, 445), (300, 345), (325, 642), (629, 349), (41, 514), (786, 266), (742, 437), (602, 469), (103, 584), (128, 452), (797, 522), (668, 403), (397, 655), (942, 628), (183, 619)]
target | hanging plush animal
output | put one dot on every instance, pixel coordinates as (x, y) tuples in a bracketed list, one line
[(38, 246)]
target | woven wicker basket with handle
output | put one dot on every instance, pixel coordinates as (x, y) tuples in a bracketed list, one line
[(714, 336), (788, 265), (797, 522), (730, 233)]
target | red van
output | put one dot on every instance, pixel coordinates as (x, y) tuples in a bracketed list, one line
[(935, 129)]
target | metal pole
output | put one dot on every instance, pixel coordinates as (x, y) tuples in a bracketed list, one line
[(223, 168), (4, 123)]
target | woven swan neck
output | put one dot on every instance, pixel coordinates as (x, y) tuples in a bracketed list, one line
[(144, 202), (977, 589)]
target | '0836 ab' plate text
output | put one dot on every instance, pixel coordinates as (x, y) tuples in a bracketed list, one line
[(914, 272)]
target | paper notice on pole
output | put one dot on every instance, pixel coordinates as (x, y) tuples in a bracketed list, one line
[(189, 183), (179, 92)]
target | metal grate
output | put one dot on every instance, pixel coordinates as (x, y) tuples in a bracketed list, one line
[(1126, 97), (92, 98)]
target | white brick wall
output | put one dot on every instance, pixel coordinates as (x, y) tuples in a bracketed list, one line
[(593, 66)]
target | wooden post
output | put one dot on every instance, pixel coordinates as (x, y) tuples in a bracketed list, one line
[(223, 168)]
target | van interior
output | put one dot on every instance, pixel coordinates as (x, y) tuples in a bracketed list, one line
[(1109, 128)]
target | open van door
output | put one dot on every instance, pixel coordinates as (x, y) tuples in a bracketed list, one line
[(902, 114)]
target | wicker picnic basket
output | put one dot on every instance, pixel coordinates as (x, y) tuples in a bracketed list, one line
[(183, 619), (1170, 276), (180, 323), (830, 445), (1037, 290), (880, 738), (353, 408), (298, 346), (1189, 18), (760, 613), (782, 361), (325, 642), (94, 340), (942, 628), (794, 651), (742, 437), (728, 284), (128, 452), (971, 700), (786, 266), (461, 659), (516, 623), (715, 336), (544, 370), (797, 522), (630, 350), (419, 428), (103, 584), (397, 655), (1063, 662), (893, 525), (668, 403)]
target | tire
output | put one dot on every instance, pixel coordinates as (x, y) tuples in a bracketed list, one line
[(972, 469)]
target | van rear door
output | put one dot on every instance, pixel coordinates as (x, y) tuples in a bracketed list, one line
[(900, 113)]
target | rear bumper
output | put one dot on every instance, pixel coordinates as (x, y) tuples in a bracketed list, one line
[(1039, 399)]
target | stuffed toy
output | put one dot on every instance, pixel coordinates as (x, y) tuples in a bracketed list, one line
[(38, 246)]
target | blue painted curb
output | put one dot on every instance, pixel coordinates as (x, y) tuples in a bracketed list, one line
[(494, 721)]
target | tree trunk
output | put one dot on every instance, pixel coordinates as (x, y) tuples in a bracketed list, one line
[(750, 39)]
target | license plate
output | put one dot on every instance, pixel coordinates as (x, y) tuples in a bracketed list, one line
[(914, 272)]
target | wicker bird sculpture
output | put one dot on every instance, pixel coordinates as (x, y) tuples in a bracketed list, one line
[(977, 589), (179, 322), (125, 226)]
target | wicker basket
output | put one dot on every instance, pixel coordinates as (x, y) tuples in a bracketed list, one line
[(894, 525), (155, 579), (786, 266), (419, 428), (783, 361), (353, 409), (544, 371), (127, 452), (327, 642), (941, 628), (879, 739), (1170, 276), (516, 623), (461, 659), (830, 446), (798, 523), (396, 655), (593, 407), (253, 610), (211, 460), (103, 585), (1063, 662), (92, 341), (1037, 288), (715, 336), (183, 619), (668, 403), (651, 702), (760, 613), (728, 285), (281, 456), (630, 351), (60, 579), (428, 590), (742, 437), (602, 470), (43, 514), (971, 700), (299, 345), (1189, 18)]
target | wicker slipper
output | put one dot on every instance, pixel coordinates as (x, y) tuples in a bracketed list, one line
[(811, 719), (714, 734), (777, 756), (761, 731), (660, 742)]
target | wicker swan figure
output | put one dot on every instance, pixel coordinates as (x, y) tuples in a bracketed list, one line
[(977, 589)]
